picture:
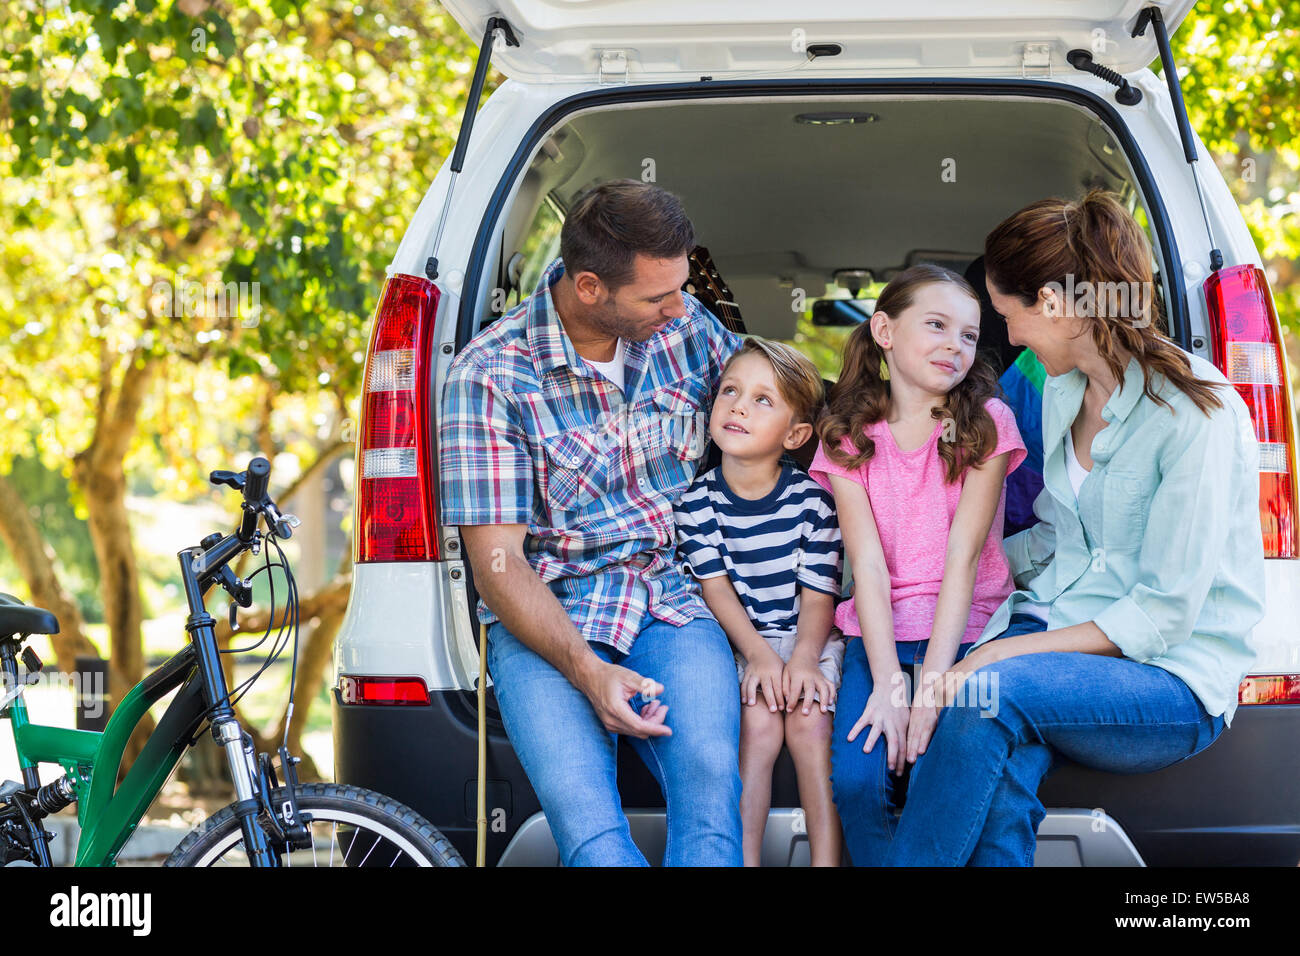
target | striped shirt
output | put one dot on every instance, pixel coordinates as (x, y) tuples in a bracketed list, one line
[(768, 546), (529, 433)]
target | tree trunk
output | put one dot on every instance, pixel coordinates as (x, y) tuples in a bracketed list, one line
[(99, 472), (312, 665), (35, 562), (110, 531)]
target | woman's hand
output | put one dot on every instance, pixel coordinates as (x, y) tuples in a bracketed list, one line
[(803, 678), (763, 671), (887, 713), (950, 685)]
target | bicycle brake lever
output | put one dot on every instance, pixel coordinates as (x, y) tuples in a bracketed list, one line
[(236, 588), (284, 527), (234, 616), (234, 479)]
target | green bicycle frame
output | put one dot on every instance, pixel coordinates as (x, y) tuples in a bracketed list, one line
[(91, 759)]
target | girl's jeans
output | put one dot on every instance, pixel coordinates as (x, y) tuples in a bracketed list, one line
[(863, 787), (569, 756), (973, 799)]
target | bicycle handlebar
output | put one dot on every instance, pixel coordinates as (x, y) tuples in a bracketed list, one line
[(255, 496), (256, 480), (255, 484)]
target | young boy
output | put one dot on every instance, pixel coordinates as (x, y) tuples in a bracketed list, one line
[(762, 539)]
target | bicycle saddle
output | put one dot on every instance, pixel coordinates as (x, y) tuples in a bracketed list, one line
[(19, 618)]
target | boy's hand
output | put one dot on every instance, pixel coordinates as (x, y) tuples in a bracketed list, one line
[(763, 671), (889, 716), (803, 678)]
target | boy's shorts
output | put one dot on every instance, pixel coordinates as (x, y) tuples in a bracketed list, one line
[(829, 663)]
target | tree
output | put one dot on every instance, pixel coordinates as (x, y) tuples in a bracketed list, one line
[(200, 199)]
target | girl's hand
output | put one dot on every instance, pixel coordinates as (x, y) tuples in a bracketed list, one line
[(804, 678), (763, 672), (887, 715), (924, 716)]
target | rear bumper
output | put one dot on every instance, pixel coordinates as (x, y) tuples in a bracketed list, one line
[(1235, 804), (1065, 838)]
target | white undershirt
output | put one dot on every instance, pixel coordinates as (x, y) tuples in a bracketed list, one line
[(1075, 470), (1077, 473), (613, 369)]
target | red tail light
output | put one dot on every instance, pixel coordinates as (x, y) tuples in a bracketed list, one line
[(1270, 689), (395, 489), (1248, 350), (383, 690)]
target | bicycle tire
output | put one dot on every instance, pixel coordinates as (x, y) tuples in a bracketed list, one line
[(391, 822)]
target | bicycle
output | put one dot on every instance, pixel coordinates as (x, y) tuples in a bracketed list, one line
[(269, 823)]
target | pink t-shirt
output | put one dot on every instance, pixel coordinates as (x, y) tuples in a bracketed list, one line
[(913, 508)]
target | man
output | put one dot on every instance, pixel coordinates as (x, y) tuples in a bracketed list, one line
[(571, 426)]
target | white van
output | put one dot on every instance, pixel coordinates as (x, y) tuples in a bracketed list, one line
[(804, 139)]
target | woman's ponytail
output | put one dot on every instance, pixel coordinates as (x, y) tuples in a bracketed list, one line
[(1094, 253)]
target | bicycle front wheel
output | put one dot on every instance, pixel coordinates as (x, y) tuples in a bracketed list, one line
[(350, 827)]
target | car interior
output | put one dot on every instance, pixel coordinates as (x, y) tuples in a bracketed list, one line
[(825, 187)]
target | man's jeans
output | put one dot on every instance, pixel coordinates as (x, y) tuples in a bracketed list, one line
[(974, 799), (569, 756)]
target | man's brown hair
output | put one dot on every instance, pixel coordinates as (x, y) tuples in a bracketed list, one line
[(609, 225)]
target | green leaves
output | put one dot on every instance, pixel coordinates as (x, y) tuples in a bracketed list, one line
[(1240, 69), (158, 158)]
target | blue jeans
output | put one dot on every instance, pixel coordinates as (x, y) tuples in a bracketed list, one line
[(975, 799), (861, 784), (569, 756)]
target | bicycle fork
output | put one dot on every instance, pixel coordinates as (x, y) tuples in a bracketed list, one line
[(226, 730)]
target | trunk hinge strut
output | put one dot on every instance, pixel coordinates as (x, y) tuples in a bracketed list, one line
[(494, 25), (1153, 16)]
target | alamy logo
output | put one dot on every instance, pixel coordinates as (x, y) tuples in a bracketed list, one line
[(74, 909)]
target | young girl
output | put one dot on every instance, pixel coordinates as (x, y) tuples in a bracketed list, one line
[(916, 459)]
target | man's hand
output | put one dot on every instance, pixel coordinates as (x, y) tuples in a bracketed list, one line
[(610, 689), (889, 716), (763, 671)]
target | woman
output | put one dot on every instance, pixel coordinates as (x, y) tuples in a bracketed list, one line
[(1138, 590)]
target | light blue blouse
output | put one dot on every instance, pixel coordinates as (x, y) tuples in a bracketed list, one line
[(1163, 548)]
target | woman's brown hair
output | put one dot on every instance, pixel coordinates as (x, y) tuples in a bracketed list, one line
[(861, 395), (1094, 244)]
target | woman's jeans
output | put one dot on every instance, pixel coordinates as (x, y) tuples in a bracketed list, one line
[(569, 756), (861, 784), (973, 798)]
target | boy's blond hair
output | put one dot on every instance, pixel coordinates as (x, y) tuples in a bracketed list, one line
[(797, 379)]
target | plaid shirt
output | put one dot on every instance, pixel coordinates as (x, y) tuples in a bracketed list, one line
[(530, 434)]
